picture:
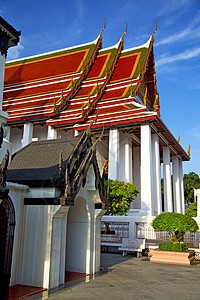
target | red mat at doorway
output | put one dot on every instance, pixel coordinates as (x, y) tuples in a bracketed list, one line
[(18, 291), (70, 276)]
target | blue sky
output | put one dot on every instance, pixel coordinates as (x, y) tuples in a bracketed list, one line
[(52, 25)]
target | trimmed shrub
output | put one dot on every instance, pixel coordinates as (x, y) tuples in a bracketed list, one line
[(175, 222), (167, 246)]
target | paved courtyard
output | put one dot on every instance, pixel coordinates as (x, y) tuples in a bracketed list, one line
[(136, 278)]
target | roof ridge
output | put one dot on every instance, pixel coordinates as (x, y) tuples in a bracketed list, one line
[(64, 100)]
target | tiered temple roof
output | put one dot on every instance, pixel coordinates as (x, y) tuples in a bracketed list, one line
[(64, 88)]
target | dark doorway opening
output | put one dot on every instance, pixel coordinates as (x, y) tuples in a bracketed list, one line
[(7, 226)]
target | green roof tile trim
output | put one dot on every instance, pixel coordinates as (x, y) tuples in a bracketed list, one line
[(54, 54)]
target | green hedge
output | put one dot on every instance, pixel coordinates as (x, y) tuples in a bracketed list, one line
[(167, 246)]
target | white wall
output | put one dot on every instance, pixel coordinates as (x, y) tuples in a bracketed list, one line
[(39, 132), (78, 237), (16, 135), (62, 134), (16, 193), (102, 153)]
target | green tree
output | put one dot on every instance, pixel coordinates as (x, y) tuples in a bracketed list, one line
[(191, 181), (121, 194), (175, 222), (192, 210)]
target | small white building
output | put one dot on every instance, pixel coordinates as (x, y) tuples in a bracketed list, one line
[(58, 203)]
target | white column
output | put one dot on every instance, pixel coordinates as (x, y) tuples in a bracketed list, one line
[(113, 154), (128, 161), (176, 185), (76, 133), (51, 133), (27, 134), (136, 204), (181, 186), (125, 158), (2, 71), (146, 171), (58, 247), (7, 133), (167, 180), (156, 174)]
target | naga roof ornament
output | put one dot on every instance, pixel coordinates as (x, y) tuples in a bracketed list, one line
[(155, 30)]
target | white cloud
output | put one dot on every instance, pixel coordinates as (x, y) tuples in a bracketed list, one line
[(190, 32), (14, 52), (181, 56)]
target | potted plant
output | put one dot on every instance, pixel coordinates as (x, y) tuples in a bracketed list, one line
[(175, 251)]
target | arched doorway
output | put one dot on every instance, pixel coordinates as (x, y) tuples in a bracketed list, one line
[(7, 226), (78, 237)]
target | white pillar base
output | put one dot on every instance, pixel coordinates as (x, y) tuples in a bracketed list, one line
[(51, 133), (27, 134)]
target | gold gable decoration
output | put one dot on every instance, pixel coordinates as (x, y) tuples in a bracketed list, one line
[(189, 151)]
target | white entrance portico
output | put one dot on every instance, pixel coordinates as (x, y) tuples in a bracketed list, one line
[(143, 161)]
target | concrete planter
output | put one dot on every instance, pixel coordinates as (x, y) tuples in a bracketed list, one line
[(169, 257)]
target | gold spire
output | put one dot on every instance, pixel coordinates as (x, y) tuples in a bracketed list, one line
[(189, 151), (179, 139), (152, 38)]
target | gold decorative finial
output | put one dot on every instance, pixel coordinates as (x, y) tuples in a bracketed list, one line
[(103, 27), (124, 32), (145, 97), (179, 139), (154, 31), (105, 167), (156, 105), (82, 111), (72, 83), (189, 151)]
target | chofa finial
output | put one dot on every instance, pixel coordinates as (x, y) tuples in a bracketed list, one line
[(189, 151), (154, 31), (124, 31), (103, 27)]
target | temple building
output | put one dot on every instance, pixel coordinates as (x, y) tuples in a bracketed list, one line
[(100, 107), (55, 96)]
